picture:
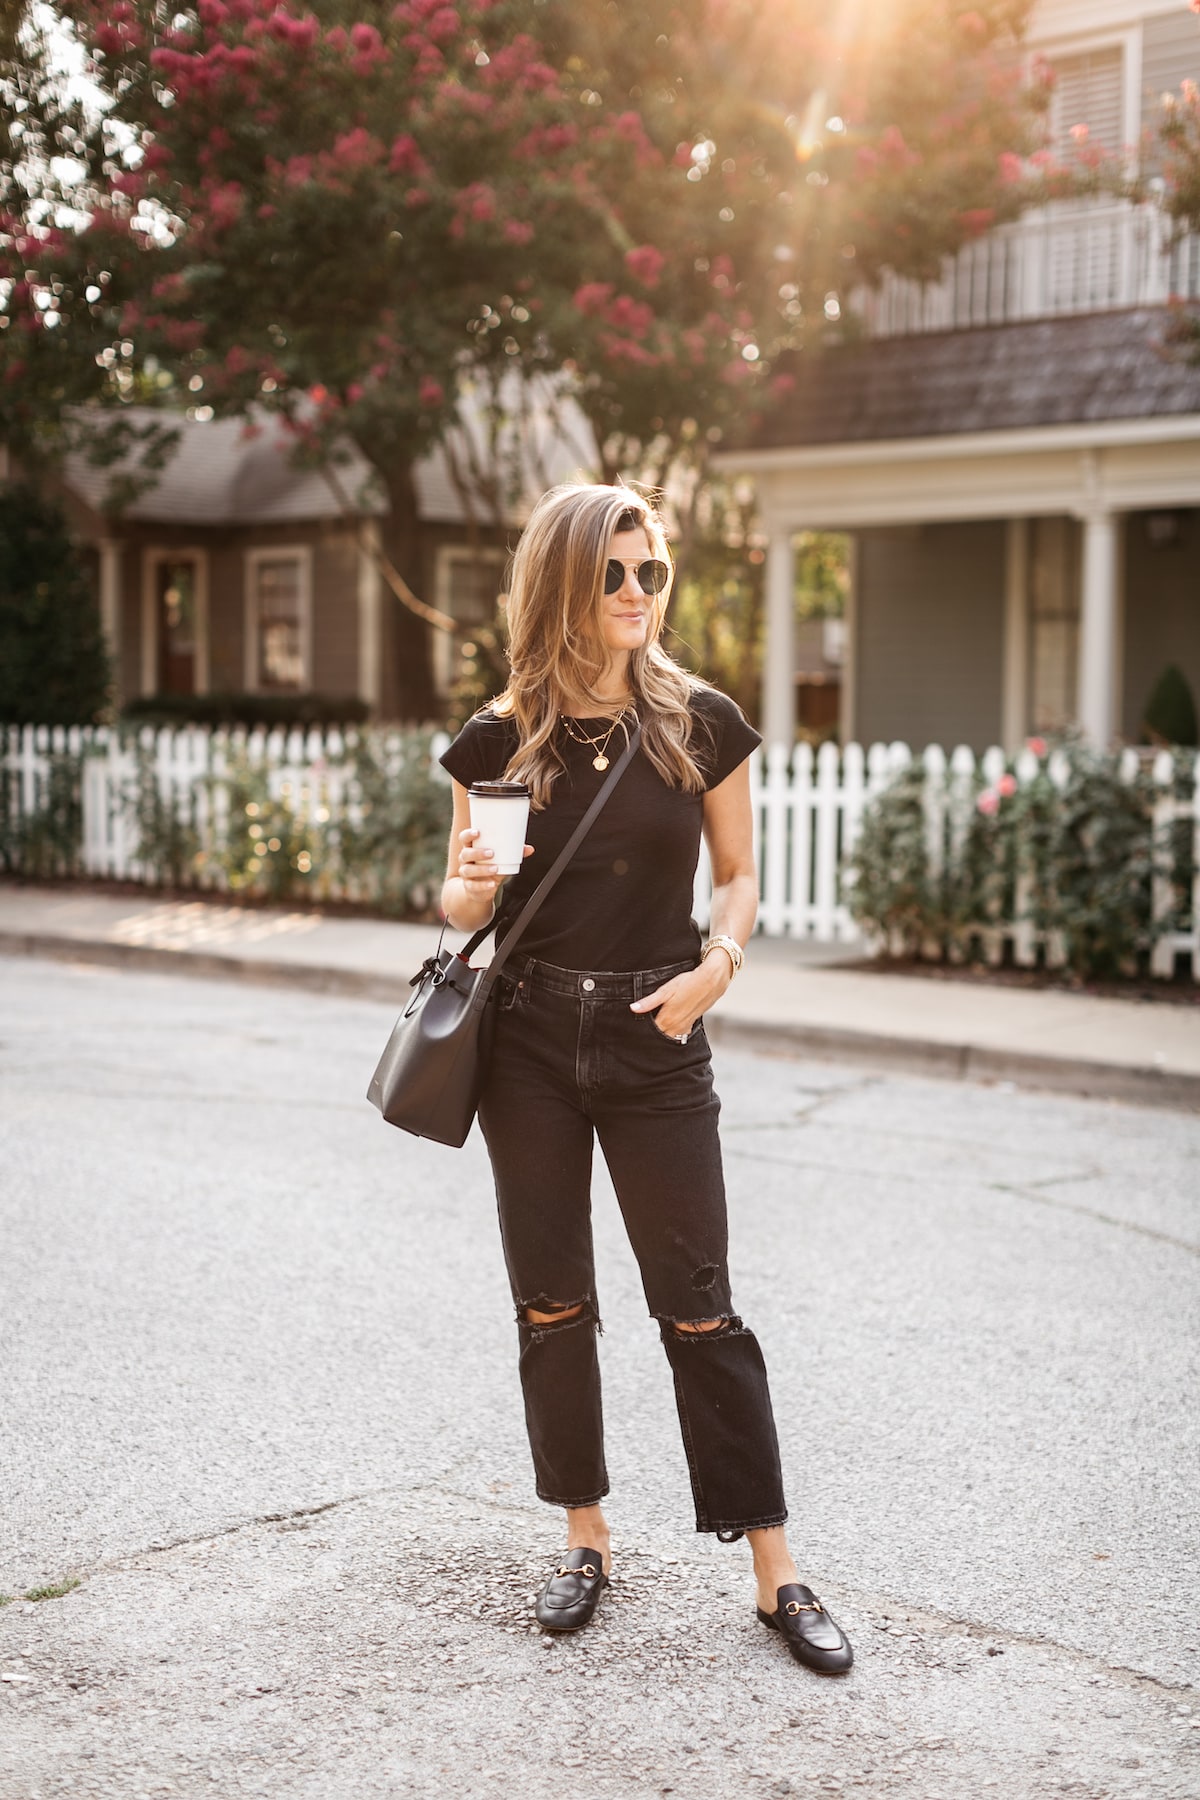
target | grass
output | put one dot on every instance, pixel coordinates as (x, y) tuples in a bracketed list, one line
[(54, 1591)]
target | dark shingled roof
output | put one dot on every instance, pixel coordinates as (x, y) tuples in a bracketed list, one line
[(1003, 378)]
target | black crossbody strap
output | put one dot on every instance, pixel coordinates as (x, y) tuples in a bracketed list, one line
[(525, 916)]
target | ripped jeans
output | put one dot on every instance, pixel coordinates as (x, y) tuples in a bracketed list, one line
[(571, 1063)]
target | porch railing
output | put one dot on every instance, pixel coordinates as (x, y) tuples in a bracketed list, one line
[(1067, 258)]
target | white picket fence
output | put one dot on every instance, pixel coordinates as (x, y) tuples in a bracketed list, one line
[(808, 808)]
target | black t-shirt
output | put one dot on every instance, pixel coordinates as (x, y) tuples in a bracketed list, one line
[(624, 901)]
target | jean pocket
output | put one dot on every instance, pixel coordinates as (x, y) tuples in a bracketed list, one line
[(668, 1037), (512, 994)]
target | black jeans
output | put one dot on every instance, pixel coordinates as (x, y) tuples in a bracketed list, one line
[(570, 1063)]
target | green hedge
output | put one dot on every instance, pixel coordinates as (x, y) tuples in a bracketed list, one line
[(246, 709), (1068, 850)]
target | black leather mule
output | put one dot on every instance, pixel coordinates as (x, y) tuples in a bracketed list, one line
[(806, 1628), (572, 1594)]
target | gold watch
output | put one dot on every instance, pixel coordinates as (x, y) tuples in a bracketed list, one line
[(729, 945)]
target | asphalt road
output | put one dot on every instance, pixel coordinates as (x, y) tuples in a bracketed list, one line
[(259, 1397)]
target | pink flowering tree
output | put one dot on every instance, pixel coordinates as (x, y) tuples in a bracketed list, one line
[(757, 162), (326, 213), (337, 209), (1179, 153)]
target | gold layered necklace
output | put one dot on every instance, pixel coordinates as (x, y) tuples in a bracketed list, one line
[(599, 743)]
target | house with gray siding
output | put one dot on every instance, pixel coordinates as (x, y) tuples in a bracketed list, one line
[(1014, 450), (238, 570)]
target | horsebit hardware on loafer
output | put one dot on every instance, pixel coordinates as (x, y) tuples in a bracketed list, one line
[(799, 1606), (570, 1597)]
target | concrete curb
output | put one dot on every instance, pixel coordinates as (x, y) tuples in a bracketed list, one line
[(207, 965), (1141, 1084)]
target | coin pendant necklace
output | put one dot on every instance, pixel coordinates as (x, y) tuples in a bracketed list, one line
[(599, 743)]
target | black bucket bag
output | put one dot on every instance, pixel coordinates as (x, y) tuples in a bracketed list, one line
[(431, 1072)]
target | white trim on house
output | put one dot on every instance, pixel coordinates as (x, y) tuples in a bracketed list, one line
[(267, 553), (848, 690), (109, 551), (1120, 35), (1056, 20), (370, 614), (1166, 428), (1144, 464), (1004, 476), (779, 640), (1014, 677), (153, 556)]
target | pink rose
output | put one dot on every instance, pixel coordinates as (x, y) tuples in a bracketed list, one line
[(988, 802), (1037, 745), (1007, 786)]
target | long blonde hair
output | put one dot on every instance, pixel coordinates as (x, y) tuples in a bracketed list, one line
[(555, 644)]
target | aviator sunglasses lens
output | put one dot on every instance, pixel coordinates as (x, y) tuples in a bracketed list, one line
[(652, 576)]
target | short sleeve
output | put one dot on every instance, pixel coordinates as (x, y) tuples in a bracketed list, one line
[(729, 738), (481, 750)]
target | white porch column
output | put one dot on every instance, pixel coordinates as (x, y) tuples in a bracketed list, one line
[(1014, 681), (110, 597), (779, 642), (1098, 626), (370, 616)]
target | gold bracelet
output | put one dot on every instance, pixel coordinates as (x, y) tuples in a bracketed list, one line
[(730, 946)]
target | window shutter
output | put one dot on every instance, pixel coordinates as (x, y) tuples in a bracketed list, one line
[(1089, 91)]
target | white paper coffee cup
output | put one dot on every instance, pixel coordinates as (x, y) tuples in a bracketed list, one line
[(500, 814)]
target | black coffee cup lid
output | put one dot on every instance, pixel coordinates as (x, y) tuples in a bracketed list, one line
[(500, 790)]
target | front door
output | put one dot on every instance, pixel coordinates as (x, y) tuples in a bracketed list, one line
[(175, 590)]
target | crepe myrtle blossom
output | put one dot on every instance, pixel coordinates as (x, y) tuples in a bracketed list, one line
[(645, 264)]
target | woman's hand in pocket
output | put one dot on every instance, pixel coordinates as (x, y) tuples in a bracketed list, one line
[(678, 1003)]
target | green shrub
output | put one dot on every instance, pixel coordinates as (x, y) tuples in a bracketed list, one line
[(1170, 716), (396, 854), (54, 667), (240, 829), (45, 842), (262, 842), (245, 709), (1070, 851)]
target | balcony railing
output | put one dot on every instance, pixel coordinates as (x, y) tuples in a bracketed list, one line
[(1092, 257)]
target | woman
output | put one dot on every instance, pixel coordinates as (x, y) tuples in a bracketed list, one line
[(600, 1034)]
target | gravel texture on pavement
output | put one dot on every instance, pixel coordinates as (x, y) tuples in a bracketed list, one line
[(260, 1401)]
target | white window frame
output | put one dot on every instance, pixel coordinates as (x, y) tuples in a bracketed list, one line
[(1129, 41), (153, 557), (443, 641), (263, 553)]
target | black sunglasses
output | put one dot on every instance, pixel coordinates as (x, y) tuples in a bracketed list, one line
[(652, 576)]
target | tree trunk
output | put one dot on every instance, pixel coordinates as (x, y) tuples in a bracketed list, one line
[(408, 664)]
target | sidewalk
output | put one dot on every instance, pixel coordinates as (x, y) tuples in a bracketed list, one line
[(789, 999)]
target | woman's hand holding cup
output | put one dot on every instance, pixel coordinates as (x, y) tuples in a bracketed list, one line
[(477, 867)]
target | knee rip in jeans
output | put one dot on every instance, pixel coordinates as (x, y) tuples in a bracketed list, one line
[(543, 1317), (697, 1330)]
